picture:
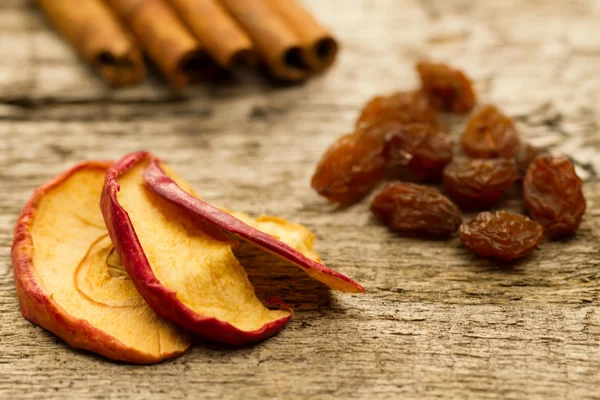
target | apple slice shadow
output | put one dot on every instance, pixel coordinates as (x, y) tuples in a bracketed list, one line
[(272, 276)]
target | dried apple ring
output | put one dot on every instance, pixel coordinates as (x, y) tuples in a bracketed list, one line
[(61, 255), (186, 274)]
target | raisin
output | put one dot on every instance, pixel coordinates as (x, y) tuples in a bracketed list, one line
[(501, 235), (419, 148), (401, 107), (447, 88), (525, 157), (479, 183), (490, 134), (412, 208), (554, 195), (350, 168)]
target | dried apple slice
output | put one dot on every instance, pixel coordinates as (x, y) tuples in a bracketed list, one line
[(286, 240), (186, 274), (297, 236), (61, 255)]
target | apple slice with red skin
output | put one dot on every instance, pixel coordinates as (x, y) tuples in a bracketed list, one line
[(62, 263), (188, 274), (165, 186)]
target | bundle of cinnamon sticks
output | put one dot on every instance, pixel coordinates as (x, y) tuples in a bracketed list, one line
[(189, 39)]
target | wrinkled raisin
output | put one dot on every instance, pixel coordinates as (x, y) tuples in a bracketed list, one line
[(554, 195), (447, 88), (525, 157), (350, 168), (411, 208), (479, 183), (400, 107), (490, 134), (419, 148), (501, 235)]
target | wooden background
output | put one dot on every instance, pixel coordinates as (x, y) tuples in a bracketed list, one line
[(436, 321)]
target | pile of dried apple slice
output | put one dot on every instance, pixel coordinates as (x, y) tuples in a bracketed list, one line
[(130, 278)]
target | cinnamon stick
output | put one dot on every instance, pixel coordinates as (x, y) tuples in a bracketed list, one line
[(279, 45), (99, 39), (223, 38), (167, 41), (319, 47)]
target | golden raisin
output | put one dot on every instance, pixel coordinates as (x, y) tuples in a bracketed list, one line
[(447, 88), (411, 208), (554, 195), (350, 168), (490, 134), (400, 107), (419, 148), (501, 235), (479, 183)]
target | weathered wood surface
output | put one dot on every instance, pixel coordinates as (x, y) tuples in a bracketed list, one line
[(436, 322)]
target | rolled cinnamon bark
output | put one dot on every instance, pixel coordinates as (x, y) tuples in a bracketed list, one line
[(99, 39), (178, 55), (279, 45), (319, 47), (223, 38)]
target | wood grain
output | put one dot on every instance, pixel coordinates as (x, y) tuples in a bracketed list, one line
[(436, 321)]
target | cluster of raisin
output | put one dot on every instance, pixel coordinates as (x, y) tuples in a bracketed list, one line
[(401, 137)]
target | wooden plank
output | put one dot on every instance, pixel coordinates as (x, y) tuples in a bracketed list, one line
[(436, 321)]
